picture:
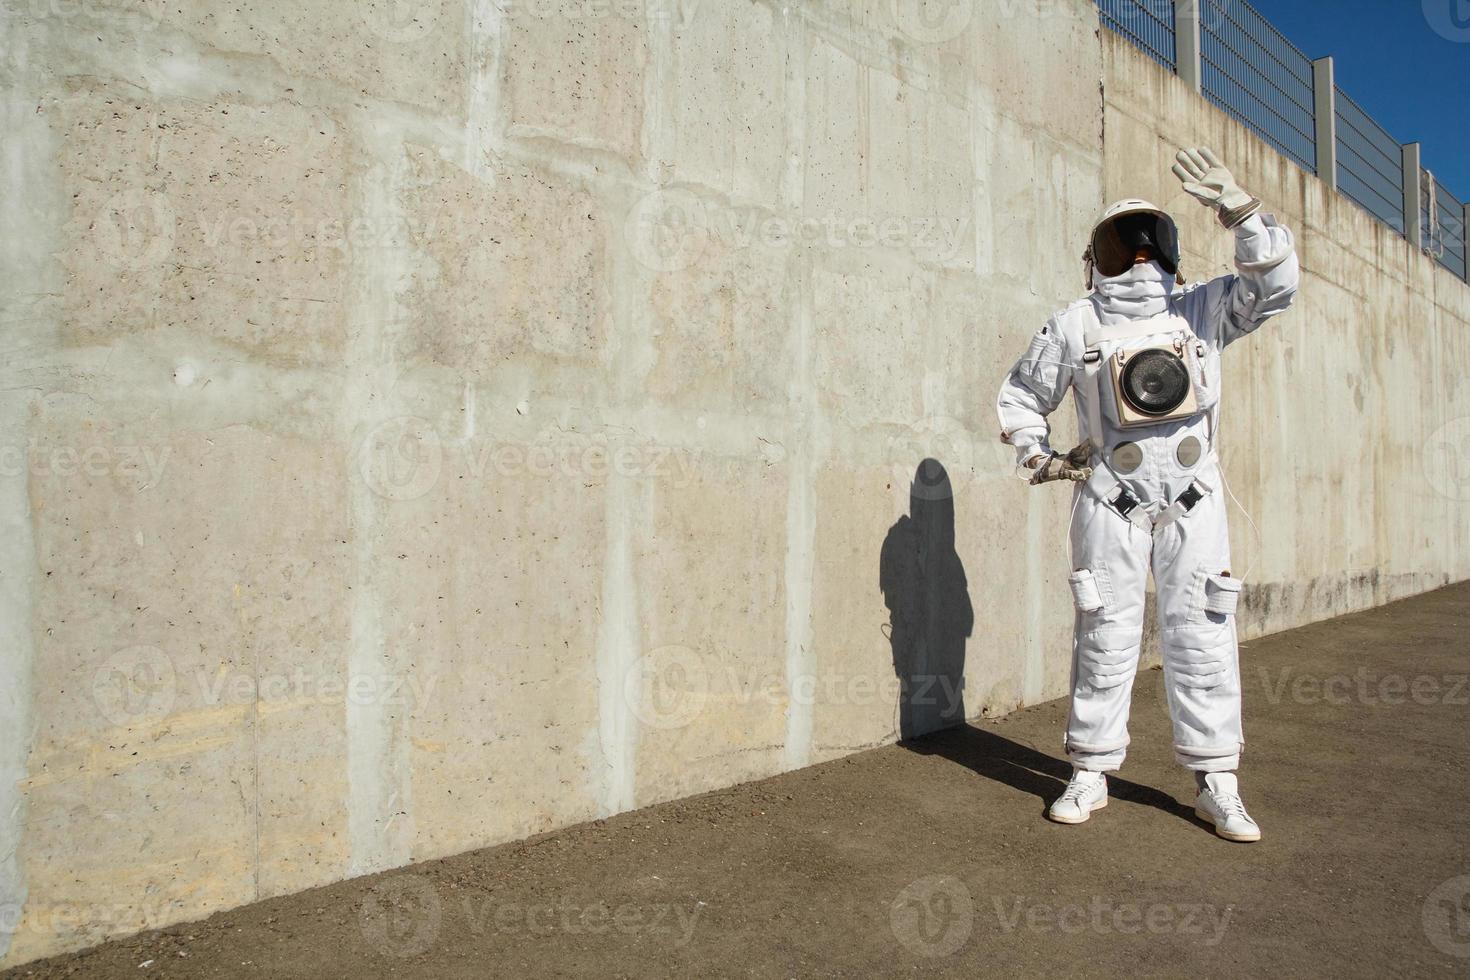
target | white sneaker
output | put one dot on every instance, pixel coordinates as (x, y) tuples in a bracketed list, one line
[(1086, 792), (1219, 803)]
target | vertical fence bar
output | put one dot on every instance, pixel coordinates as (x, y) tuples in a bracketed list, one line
[(1187, 42), (1413, 192), (1464, 237), (1324, 96), (1431, 236)]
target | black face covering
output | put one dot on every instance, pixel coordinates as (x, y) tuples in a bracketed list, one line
[(1116, 242)]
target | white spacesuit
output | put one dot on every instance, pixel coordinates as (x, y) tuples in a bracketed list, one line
[(1142, 358)]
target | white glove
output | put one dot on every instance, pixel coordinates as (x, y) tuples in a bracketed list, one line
[(1207, 180)]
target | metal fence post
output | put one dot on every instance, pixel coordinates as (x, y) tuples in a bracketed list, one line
[(1187, 42), (1413, 196), (1465, 238), (1324, 99)]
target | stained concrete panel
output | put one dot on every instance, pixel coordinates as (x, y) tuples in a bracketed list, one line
[(228, 219), (494, 572), (729, 99), (710, 693), (869, 356), (190, 739), (720, 326), (888, 163), (575, 73), (412, 53), (858, 534), (512, 268)]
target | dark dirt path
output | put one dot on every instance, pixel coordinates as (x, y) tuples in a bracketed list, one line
[(933, 858)]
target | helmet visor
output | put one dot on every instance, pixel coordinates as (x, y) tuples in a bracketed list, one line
[(1116, 243)]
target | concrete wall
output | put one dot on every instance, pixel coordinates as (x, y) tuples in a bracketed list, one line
[(429, 424)]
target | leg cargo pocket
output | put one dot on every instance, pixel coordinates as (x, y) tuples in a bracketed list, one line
[(1222, 594), (1086, 592)]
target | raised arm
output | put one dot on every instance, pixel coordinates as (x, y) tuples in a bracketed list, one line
[(1267, 272)]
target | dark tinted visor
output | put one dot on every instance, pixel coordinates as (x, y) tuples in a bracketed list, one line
[(1115, 244)]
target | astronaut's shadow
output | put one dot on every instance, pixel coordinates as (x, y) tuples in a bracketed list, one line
[(930, 617), (1026, 769)]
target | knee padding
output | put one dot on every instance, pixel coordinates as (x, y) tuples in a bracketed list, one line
[(1200, 655), (1105, 660)]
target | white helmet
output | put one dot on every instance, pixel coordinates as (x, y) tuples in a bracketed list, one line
[(1115, 240)]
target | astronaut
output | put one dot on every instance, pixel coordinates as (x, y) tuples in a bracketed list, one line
[(1141, 355)]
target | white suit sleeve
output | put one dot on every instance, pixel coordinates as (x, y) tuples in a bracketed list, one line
[(1265, 280), (1032, 390)]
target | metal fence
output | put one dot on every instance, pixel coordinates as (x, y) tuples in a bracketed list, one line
[(1243, 64), (1147, 23), (1249, 69), (1370, 164)]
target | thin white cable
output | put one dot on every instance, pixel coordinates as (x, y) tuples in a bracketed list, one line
[(1076, 499), (1254, 530)]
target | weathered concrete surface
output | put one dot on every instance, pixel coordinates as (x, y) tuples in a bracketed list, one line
[(934, 858), (426, 425)]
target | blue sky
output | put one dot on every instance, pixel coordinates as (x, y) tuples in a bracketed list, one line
[(1394, 58)]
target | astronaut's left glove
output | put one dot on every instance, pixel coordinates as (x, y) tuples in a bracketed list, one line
[(1072, 466), (1208, 180)]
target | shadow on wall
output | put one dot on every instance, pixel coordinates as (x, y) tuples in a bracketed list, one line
[(929, 611)]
